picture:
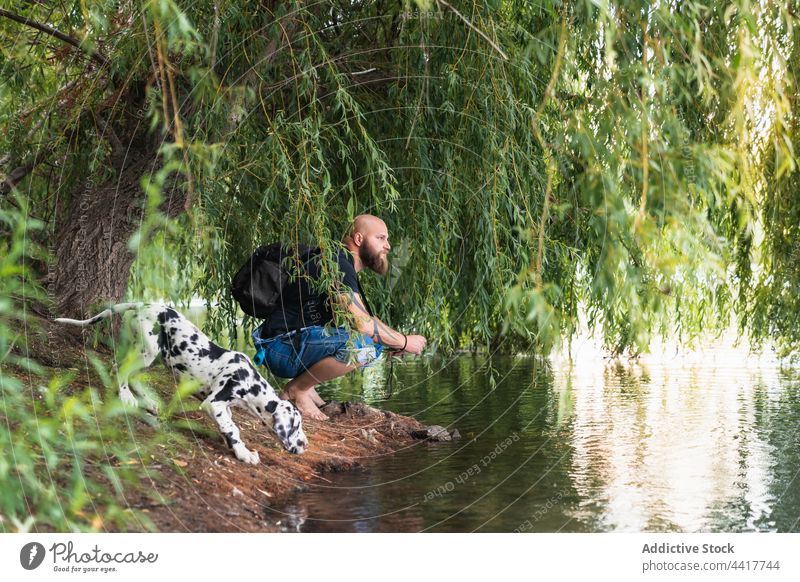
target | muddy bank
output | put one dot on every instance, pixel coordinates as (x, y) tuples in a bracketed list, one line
[(205, 489), (193, 482)]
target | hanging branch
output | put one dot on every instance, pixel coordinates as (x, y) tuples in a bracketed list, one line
[(55, 33), (645, 138), (551, 166), (473, 27), (15, 176)]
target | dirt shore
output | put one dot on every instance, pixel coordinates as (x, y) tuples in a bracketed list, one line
[(205, 489), (197, 484)]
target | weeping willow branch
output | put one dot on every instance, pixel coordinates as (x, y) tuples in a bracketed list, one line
[(645, 140), (305, 117), (16, 175), (551, 169), (473, 27), (548, 92), (169, 95), (94, 55)]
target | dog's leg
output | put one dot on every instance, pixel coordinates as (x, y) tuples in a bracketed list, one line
[(221, 413), (148, 352), (126, 394)]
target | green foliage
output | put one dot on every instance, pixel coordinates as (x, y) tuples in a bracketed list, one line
[(539, 164), (65, 450)]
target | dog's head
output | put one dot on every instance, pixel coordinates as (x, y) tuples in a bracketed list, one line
[(287, 424)]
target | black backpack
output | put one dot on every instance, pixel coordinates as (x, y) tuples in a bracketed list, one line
[(258, 284)]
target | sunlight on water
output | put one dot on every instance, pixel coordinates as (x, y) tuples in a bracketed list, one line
[(667, 435), (686, 440)]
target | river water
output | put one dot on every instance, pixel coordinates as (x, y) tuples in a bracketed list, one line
[(703, 441)]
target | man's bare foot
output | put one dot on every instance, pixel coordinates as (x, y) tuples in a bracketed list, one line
[(305, 403), (316, 397)]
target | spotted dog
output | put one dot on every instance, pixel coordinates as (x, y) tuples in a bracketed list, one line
[(228, 378)]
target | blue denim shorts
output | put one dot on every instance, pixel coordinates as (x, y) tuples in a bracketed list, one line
[(280, 355)]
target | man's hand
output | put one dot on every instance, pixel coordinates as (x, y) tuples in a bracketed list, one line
[(379, 331), (415, 345)]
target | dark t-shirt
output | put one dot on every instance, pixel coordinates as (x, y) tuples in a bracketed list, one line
[(316, 309)]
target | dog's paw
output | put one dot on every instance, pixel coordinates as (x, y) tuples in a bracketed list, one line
[(127, 397), (150, 405), (250, 457)]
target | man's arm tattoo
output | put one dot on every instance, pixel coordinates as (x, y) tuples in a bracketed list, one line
[(376, 327)]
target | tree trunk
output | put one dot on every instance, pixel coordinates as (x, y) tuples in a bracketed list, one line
[(92, 260)]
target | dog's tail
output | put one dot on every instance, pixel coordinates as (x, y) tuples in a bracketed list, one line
[(118, 308)]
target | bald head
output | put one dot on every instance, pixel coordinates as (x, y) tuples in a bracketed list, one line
[(368, 240), (365, 224)]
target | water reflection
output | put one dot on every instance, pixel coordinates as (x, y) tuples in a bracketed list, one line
[(699, 441), (677, 444)]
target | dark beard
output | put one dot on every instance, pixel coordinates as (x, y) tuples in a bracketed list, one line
[(373, 261)]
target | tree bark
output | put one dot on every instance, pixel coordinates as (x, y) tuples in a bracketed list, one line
[(92, 261)]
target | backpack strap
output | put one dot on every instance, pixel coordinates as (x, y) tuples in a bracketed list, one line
[(305, 254)]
